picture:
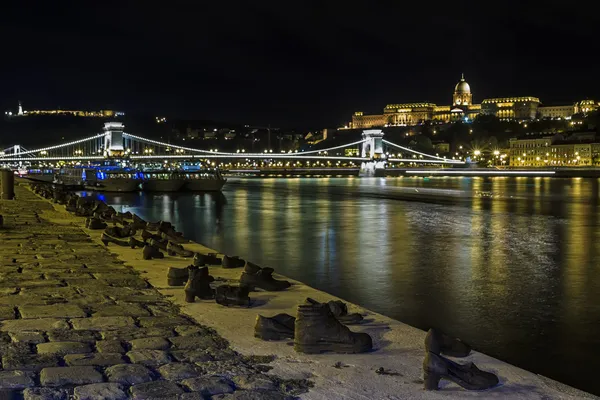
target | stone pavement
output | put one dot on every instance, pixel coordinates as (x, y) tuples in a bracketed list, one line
[(75, 322)]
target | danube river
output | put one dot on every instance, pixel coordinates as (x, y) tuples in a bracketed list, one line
[(510, 265)]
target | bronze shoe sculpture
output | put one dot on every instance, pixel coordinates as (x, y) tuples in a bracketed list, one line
[(233, 262), (316, 330), (177, 249), (440, 343), (468, 376), (198, 284), (95, 223), (161, 244), (151, 252), (257, 277), (173, 238), (147, 235), (227, 295), (340, 311), (133, 242), (278, 327), (206, 259), (177, 276), (106, 239)]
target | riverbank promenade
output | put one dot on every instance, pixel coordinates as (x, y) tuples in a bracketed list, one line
[(88, 321)]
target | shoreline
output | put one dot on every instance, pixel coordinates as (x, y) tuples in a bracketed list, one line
[(398, 347)]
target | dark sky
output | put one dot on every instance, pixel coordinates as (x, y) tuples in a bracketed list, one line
[(291, 63)]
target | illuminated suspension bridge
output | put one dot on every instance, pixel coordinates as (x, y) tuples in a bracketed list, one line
[(375, 152)]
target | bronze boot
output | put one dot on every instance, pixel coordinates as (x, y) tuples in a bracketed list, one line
[(198, 284), (317, 330), (151, 252)]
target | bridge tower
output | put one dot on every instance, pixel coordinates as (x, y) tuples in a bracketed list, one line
[(113, 138), (372, 147)]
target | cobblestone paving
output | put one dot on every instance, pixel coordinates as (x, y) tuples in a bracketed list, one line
[(75, 322)]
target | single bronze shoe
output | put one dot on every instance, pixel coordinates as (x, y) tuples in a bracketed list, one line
[(177, 249), (133, 243), (136, 218), (147, 236), (198, 284), (206, 259), (177, 276), (278, 327), (440, 343), (125, 215), (161, 244), (106, 239), (227, 295), (95, 223), (151, 252), (436, 367), (172, 238), (261, 278), (233, 262), (317, 330), (117, 231), (339, 309)]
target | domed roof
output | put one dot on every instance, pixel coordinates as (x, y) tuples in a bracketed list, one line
[(462, 86)]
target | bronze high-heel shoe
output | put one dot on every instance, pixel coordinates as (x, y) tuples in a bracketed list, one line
[(468, 376)]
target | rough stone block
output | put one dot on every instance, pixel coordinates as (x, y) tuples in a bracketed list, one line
[(41, 393), (63, 376), (186, 330), (192, 356), (6, 312), (62, 348), (16, 379), (155, 390), (103, 323), (42, 324), (137, 333), (110, 346), (128, 374), (149, 357), (105, 391), (27, 337), (254, 382), (99, 359), (191, 396), (151, 322), (176, 371), (51, 311), (29, 362), (227, 369), (110, 310), (73, 336), (257, 395), (193, 342), (151, 343), (209, 385)]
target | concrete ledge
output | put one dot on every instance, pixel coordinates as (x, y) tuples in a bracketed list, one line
[(398, 347)]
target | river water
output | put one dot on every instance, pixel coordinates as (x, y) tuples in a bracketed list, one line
[(510, 265)]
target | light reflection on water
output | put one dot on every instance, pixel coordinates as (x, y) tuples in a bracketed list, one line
[(516, 276)]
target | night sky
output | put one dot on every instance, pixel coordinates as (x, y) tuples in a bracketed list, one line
[(293, 64)]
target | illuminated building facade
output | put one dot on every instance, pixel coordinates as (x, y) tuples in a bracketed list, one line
[(463, 108), (77, 113), (580, 149)]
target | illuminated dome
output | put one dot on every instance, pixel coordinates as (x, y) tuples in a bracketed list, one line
[(462, 86)]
